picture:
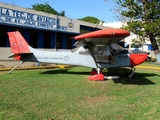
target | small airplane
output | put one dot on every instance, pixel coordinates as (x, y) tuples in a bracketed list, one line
[(97, 50)]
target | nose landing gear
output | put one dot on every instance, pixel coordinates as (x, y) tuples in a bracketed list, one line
[(131, 75)]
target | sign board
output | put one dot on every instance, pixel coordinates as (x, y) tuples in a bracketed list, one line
[(20, 18)]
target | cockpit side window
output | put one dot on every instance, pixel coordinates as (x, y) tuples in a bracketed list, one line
[(116, 48), (102, 53)]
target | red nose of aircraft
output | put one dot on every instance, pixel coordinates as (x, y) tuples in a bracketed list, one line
[(137, 58)]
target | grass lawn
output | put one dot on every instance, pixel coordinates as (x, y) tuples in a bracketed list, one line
[(58, 94), (154, 64)]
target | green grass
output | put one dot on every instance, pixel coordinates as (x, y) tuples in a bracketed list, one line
[(58, 94), (153, 64)]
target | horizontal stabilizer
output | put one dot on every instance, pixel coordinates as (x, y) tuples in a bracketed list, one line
[(18, 54)]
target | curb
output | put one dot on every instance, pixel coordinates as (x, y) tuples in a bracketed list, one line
[(149, 67), (64, 66), (29, 68)]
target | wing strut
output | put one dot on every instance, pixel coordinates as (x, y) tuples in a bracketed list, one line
[(15, 67), (91, 50)]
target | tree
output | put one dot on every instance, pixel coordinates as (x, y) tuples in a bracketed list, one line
[(143, 18), (47, 9), (91, 19)]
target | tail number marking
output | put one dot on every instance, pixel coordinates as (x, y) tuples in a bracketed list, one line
[(123, 56)]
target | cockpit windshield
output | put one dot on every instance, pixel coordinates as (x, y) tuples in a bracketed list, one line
[(116, 48)]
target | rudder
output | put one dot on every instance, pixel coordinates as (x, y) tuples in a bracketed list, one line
[(18, 44)]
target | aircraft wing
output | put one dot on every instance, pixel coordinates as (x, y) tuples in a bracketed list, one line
[(109, 35)]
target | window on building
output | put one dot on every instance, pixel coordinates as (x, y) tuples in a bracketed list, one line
[(34, 38), (17, 29), (3, 36), (47, 39), (59, 41), (69, 41)]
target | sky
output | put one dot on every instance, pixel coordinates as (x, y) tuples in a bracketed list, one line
[(73, 8)]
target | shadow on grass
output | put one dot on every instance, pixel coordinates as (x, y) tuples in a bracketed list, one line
[(139, 79), (65, 71)]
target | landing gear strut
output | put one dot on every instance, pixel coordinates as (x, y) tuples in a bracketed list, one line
[(131, 75)]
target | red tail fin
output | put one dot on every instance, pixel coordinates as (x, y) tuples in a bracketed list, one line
[(18, 44)]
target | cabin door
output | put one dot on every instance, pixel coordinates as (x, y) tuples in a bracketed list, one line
[(103, 54)]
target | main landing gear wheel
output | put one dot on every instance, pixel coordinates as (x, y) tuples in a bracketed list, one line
[(131, 75), (97, 75)]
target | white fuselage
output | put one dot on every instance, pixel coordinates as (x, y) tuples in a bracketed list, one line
[(79, 57), (62, 57)]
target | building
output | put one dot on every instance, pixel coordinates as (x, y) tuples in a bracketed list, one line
[(41, 30)]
